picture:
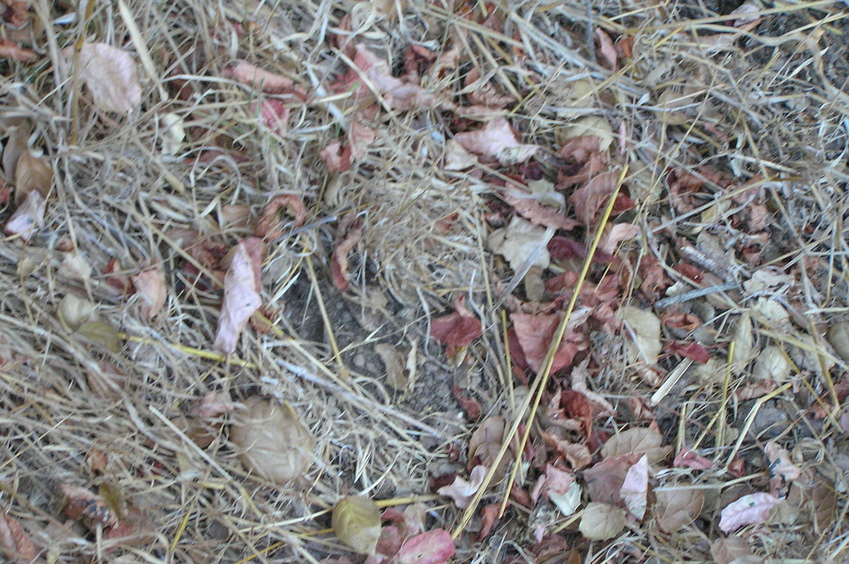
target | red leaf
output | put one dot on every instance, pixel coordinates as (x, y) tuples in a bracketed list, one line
[(268, 227), (535, 333), (592, 197), (14, 543), (337, 158), (339, 262), (458, 329), (11, 50), (274, 115), (693, 351), (577, 407), (489, 517), (433, 547), (470, 405)]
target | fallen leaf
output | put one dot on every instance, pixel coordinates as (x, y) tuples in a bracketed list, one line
[(268, 226), (693, 351), (272, 441), (348, 235), (521, 241), (212, 405), (110, 75), (458, 329), (356, 522), (489, 517), (772, 364), (172, 132), (394, 363), (498, 140), (273, 114), (634, 488), (530, 208), (686, 458), (490, 431), (433, 547), (601, 521), (589, 200), (743, 343), (151, 287), (637, 440), (535, 334), (616, 234), (643, 327), (359, 139), (781, 470), (268, 82), (335, 157), (461, 490), (11, 50), (28, 218), (32, 173), (604, 480), (90, 509), (678, 507), (750, 509), (74, 311), (456, 157), (606, 50), (241, 293), (747, 21), (733, 550), (14, 542)]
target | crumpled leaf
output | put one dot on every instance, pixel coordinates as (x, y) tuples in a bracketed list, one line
[(74, 311), (604, 480), (28, 218), (589, 200), (348, 235), (618, 233), (110, 75), (634, 488), (432, 547), (601, 521), (560, 488), (529, 206), (743, 343), (535, 333), (274, 115), (461, 490), (645, 346), (733, 550), (173, 133), (151, 287), (521, 240), (678, 507), (213, 404), (747, 21), (781, 470), (32, 173), (14, 542), (356, 522), (458, 329), (90, 509), (272, 441), (241, 293), (496, 139), (750, 509), (268, 226)]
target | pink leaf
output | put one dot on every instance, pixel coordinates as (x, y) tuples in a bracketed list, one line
[(14, 542), (458, 329), (606, 50), (462, 491), (397, 94), (11, 50), (241, 293), (214, 404), (748, 510), (616, 234), (268, 82), (538, 214), (497, 140), (433, 547), (28, 217), (359, 138), (110, 75), (635, 488), (689, 459), (337, 158), (591, 198), (274, 115), (268, 227), (150, 286)]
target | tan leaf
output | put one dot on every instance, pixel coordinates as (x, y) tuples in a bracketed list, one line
[(151, 287), (11, 50), (110, 75), (743, 343), (241, 293), (726, 550), (356, 521), (496, 139), (489, 431), (268, 226), (521, 241), (214, 404), (272, 441), (32, 173), (16, 145), (678, 507), (271, 83), (617, 234), (639, 440), (782, 471), (601, 521), (643, 328), (14, 542), (74, 311), (462, 491), (394, 362), (28, 218)]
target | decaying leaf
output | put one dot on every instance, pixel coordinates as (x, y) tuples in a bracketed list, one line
[(152, 289), (28, 218), (14, 542), (616, 234), (458, 329), (560, 488), (110, 75), (11, 50), (678, 507), (781, 470), (432, 547), (532, 208), (241, 293), (268, 226), (497, 140), (638, 440), (743, 343), (643, 327), (213, 404), (356, 521), (462, 491), (32, 173), (535, 334), (90, 509), (272, 441), (733, 550), (590, 199), (522, 241), (348, 235), (74, 311), (394, 362), (268, 82), (750, 509), (604, 480), (601, 521), (634, 488)]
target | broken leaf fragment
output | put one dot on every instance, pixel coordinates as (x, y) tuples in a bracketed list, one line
[(272, 441), (356, 521)]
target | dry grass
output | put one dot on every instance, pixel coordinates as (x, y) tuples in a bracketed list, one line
[(781, 93)]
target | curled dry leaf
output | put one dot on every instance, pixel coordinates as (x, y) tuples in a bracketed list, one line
[(528, 206), (273, 114), (498, 140), (268, 82), (432, 547), (33, 173), (110, 75), (90, 509), (74, 311), (28, 218), (268, 226), (618, 233), (589, 200), (394, 362), (604, 480), (150, 286), (458, 329), (522, 241), (606, 50), (462, 491), (272, 441), (750, 509), (356, 522), (11, 50), (781, 470), (678, 507), (601, 521), (348, 235), (14, 542), (214, 404), (241, 293)]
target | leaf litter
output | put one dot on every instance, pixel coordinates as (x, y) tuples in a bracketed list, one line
[(258, 261)]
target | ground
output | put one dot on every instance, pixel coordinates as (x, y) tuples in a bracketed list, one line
[(582, 262)]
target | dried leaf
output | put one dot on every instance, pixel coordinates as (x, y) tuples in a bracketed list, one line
[(274, 115), (728, 550), (635, 488), (781, 470), (14, 542), (356, 521), (606, 50), (457, 158), (433, 547), (601, 521), (496, 139), (101, 335), (678, 507), (747, 21), (212, 405), (644, 328), (110, 75), (617, 234), (272, 441), (268, 227), (151, 287), (521, 241), (173, 134), (589, 200), (16, 145), (32, 173), (91, 509), (689, 459), (73, 311), (28, 218), (458, 329), (838, 337), (750, 509), (743, 343), (462, 491), (535, 334), (638, 440), (268, 82), (241, 293), (528, 206), (394, 363), (339, 261), (604, 480), (11, 50)]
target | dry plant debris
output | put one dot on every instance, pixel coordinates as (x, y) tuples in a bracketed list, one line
[(424, 282)]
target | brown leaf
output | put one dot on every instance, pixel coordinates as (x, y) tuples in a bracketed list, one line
[(678, 507), (527, 206), (110, 75), (356, 522), (28, 218), (348, 235), (268, 227), (496, 139), (268, 82), (639, 440), (604, 480), (601, 521), (591, 198), (32, 173), (13, 51), (212, 405), (462, 491), (90, 509), (458, 329), (781, 470), (241, 293), (151, 287), (606, 50), (490, 431), (535, 333), (14, 542)]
